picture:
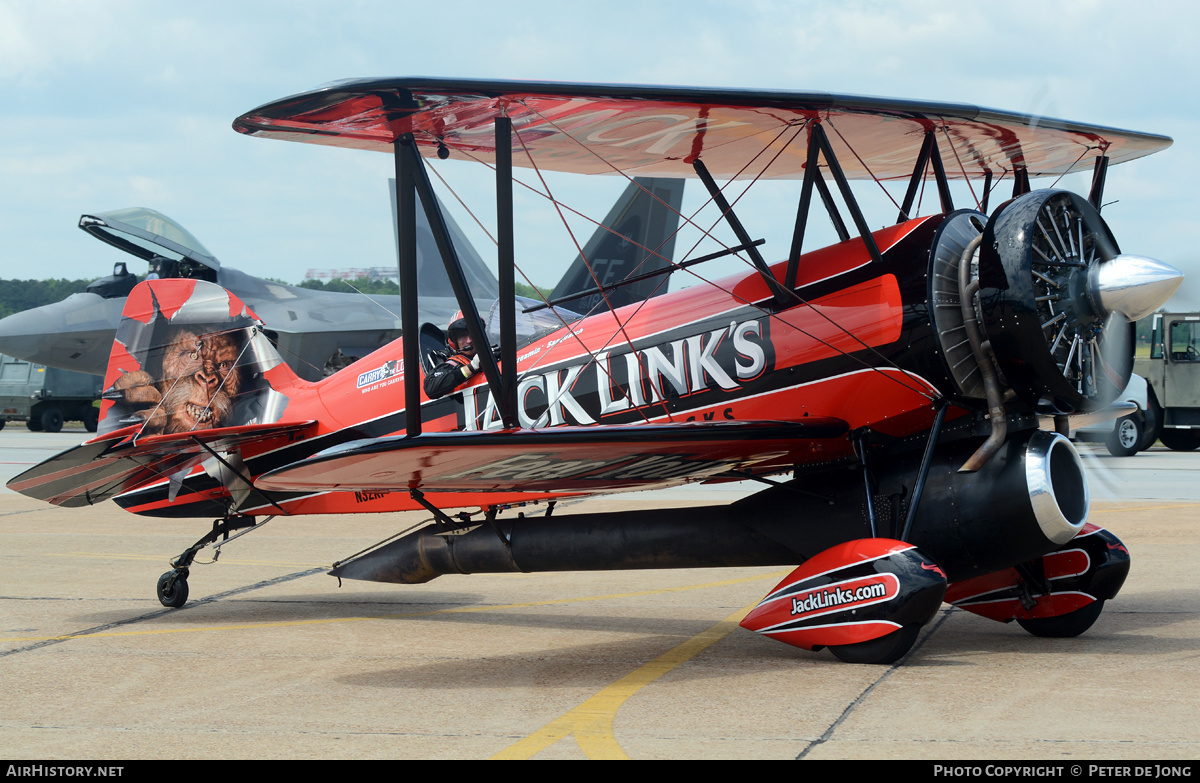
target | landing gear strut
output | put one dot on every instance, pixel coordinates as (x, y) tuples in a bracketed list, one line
[(172, 586)]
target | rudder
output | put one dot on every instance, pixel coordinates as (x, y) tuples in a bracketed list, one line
[(189, 355)]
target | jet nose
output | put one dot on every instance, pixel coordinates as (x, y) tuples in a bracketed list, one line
[(74, 334), (21, 334), (1133, 286)]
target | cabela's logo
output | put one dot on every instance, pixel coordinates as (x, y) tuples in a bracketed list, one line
[(615, 382)]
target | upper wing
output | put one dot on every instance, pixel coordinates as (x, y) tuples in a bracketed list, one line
[(659, 131), (119, 461), (561, 459)]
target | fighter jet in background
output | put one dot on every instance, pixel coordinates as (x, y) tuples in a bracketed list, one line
[(317, 332)]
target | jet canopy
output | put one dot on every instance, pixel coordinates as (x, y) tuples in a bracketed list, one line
[(150, 235)]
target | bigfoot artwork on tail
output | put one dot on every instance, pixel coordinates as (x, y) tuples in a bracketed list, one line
[(189, 364)]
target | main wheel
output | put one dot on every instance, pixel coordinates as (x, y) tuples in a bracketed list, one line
[(52, 419), (1180, 440), (172, 590), (1065, 625), (1126, 437), (884, 650)]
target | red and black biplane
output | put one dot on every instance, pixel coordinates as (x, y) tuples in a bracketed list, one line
[(897, 393)]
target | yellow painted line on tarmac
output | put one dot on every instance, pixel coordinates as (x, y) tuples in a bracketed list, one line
[(591, 723), (429, 613)]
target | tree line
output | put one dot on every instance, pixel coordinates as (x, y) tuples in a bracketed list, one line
[(19, 295)]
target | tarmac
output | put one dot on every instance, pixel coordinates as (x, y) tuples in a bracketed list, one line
[(273, 659)]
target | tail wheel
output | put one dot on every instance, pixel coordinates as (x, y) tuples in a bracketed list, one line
[(1040, 307), (173, 589), (884, 650), (1066, 625)]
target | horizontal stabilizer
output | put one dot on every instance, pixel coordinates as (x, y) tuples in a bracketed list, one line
[(119, 461), (562, 459)]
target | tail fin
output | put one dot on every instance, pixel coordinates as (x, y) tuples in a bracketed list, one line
[(645, 216), (189, 355), (432, 280), (191, 374), (644, 220)]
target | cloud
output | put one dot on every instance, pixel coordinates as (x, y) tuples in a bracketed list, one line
[(108, 105)]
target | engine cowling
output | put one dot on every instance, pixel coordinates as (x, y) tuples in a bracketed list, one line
[(1056, 304), (1049, 331)]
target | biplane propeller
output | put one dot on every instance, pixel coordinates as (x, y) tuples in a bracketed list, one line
[(896, 393)]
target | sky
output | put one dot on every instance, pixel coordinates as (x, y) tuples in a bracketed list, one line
[(130, 103)]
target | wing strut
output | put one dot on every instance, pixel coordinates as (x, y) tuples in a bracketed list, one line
[(1020, 181), (1098, 174), (929, 151), (818, 143), (412, 176), (406, 220), (506, 266), (738, 229), (811, 176), (918, 175), (939, 173), (926, 459)]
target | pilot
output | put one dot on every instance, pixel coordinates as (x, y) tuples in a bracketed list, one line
[(459, 366)]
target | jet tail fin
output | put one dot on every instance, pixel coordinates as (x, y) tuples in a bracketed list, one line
[(636, 237), (189, 355), (432, 280)]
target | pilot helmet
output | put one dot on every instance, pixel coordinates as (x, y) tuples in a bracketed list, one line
[(458, 327)]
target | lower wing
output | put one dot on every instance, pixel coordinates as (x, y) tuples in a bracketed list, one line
[(562, 459)]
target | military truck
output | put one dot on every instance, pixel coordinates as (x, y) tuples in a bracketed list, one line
[(45, 397), (1173, 373)]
